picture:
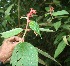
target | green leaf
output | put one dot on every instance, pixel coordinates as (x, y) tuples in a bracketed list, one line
[(1, 11), (47, 30), (67, 60), (24, 54), (60, 48), (65, 40), (56, 2), (34, 26), (59, 37), (41, 61), (11, 33), (47, 8), (47, 55), (66, 27), (7, 12), (68, 38), (58, 13), (57, 25)]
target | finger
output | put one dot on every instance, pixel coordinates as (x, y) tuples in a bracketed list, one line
[(18, 39), (15, 39), (11, 39)]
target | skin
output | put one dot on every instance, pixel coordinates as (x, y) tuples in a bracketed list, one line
[(7, 48)]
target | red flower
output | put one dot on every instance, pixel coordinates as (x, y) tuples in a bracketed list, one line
[(30, 14)]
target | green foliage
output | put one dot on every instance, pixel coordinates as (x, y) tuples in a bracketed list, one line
[(7, 12), (34, 26), (24, 55), (11, 33), (60, 48), (58, 13), (47, 55), (66, 27), (47, 30), (59, 37), (57, 25)]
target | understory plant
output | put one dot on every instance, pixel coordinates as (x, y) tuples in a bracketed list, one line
[(45, 30)]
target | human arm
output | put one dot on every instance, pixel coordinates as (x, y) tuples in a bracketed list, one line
[(7, 48)]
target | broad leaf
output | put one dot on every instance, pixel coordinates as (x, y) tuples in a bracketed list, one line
[(47, 55), (58, 13), (57, 25), (24, 54), (11, 33), (60, 48), (34, 26)]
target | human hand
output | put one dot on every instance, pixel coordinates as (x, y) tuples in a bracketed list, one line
[(7, 48)]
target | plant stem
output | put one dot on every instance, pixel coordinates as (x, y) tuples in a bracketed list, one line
[(25, 30), (18, 13)]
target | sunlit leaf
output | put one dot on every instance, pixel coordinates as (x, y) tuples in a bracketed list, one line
[(11, 33), (60, 48), (47, 30), (24, 54)]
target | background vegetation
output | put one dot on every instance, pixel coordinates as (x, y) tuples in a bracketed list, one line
[(53, 19)]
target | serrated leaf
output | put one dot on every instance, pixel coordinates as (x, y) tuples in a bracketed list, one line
[(34, 26), (60, 48), (59, 37), (57, 25), (24, 54), (58, 13), (7, 12), (11, 33), (47, 55)]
